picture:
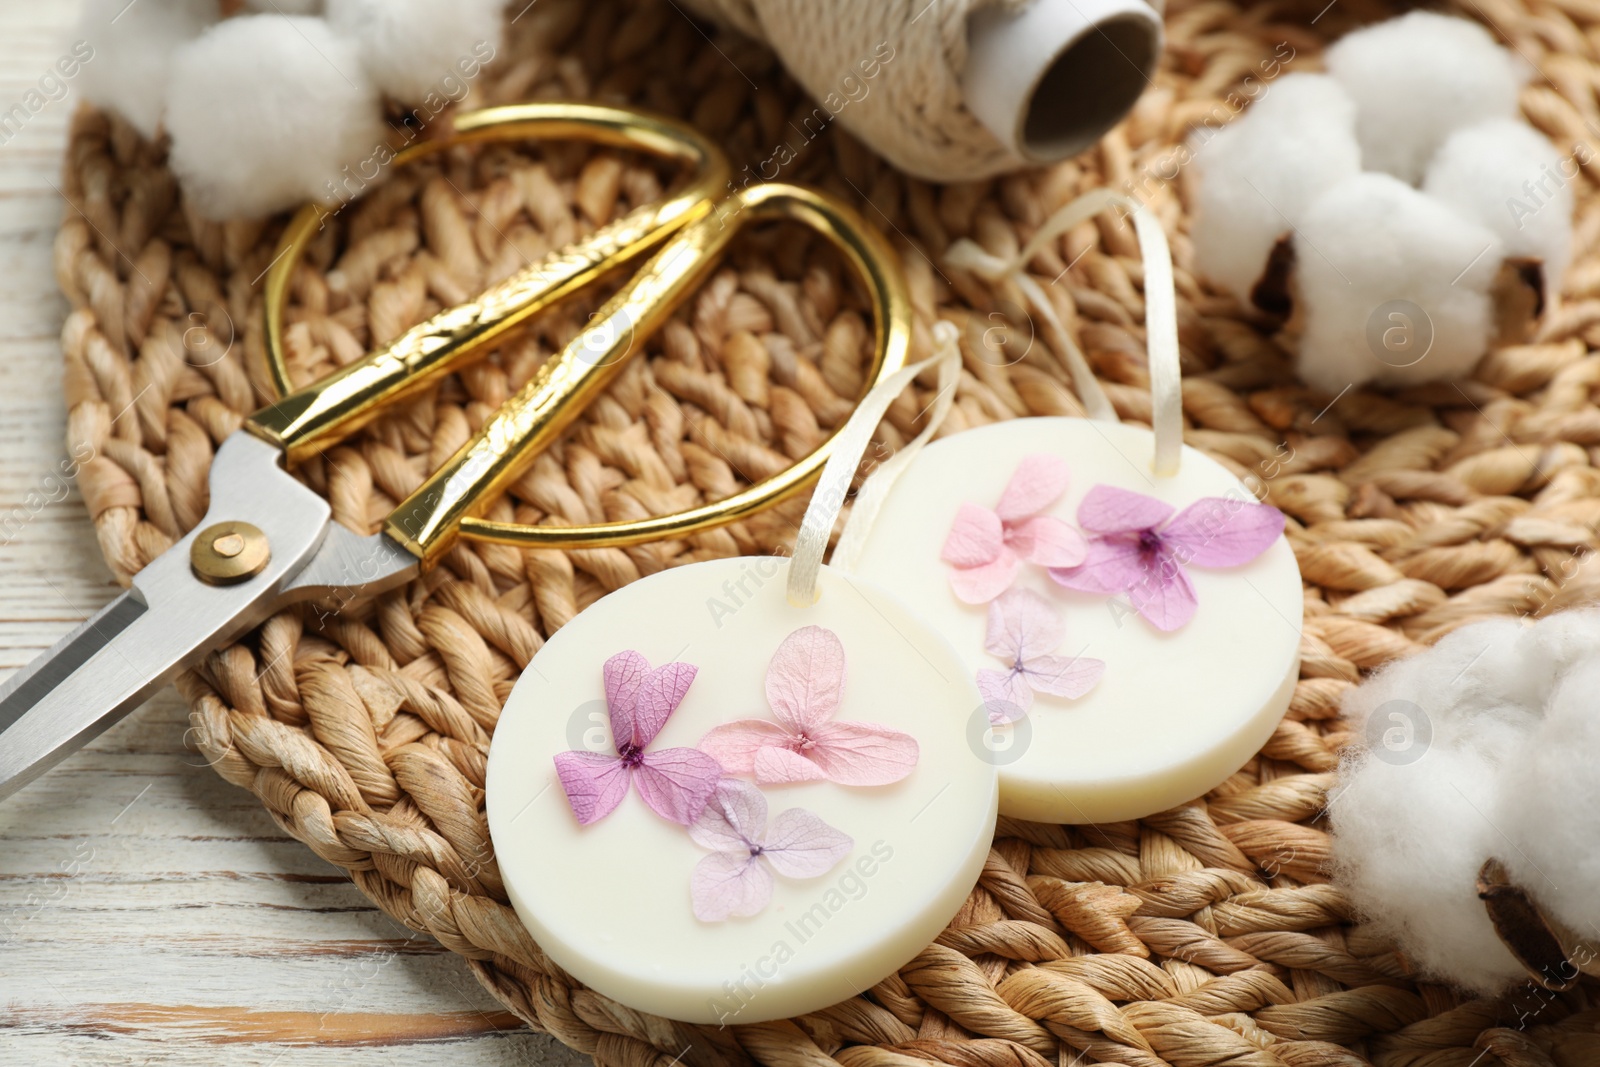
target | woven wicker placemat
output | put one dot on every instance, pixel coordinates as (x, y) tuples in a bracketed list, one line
[(1204, 935)]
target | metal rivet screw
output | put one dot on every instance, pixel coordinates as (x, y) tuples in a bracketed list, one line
[(229, 552)]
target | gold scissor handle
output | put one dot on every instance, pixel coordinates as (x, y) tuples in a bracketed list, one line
[(309, 420), (449, 503)]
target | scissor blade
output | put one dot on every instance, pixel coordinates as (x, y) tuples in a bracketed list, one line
[(26, 687), (168, 620), (76, 689)]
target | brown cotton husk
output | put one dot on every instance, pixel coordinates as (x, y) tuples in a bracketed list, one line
[(1518, 293), (1550, 952)]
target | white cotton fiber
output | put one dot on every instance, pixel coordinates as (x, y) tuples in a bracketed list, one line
[(1507, 176), (133, 45), (1257, 176), (1408, 842), (1418, 78), (1394, 286), (265, 110), (413, 48), (1472, 690), (1501, 728)]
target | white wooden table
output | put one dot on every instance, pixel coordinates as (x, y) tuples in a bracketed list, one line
[(149, 912)]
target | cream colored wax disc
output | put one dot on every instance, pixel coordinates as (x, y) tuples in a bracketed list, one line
[(1174, 714), (610, 902)]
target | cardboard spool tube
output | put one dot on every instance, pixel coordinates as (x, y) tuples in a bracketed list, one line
[(1050, 78)]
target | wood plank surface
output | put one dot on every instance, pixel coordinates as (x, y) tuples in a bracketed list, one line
[(149, 912)]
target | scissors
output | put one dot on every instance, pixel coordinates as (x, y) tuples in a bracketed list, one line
[(267, 541)]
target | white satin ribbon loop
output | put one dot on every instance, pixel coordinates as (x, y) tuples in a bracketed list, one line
[(1160, 312), (1161, 340), (827, 500)]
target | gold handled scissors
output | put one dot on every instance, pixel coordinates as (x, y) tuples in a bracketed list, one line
[(267, 541)]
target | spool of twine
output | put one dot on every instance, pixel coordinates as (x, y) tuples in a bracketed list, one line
[(952, 90)]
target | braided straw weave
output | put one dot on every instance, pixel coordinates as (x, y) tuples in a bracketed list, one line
[(1207, 935)]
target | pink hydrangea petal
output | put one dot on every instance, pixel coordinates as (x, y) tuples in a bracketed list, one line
[(783, 766), (1038, 482), (735, 817), (1063, 676), (1106, 509), (801, 845), (1006, 696), (974, 539), (728, 885), (805, 678), (979, 585), (1021, 624), (660, 694), (677, 782), (1165, 596), (860, 753), (734, 744), (595, 783), (623, 674), (1047, 541), (1110, 565), (1216, 531)]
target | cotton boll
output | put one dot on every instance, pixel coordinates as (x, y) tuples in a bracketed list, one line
[(265, 110), (133, 46), (1256, 176), (286, 7), (1417, 78), (412, 48), (1394, 286), (1506, 728), (1408, 841), (1507, 176)]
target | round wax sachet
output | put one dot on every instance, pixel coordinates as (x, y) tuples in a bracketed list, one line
[(850, 818), (1136, 637)]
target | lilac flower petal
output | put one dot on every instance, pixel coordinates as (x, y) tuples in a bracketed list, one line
[(974, 539), (595, 783), (1047, 541), (623, 674), (1006, 695), (979, 585), (801, 845), (860, 753), (805, 679), (1164, 596), (1021, 624), (783, 766), (735, 818), (729, 885), (1063, 676), (735, 744), (1111, 565), (677, 782), (1216, 531), (1107, 509), (1038, 482), (660, 694)]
